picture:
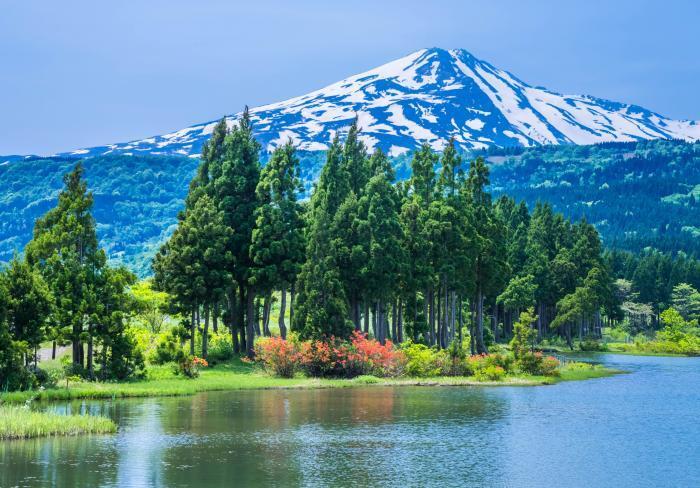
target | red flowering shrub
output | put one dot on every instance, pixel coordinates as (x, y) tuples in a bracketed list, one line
[(478, 365), (189, 365), (364, 356), (490, 373), (279, 357), (317, 358), (550, 366), (534, 363), (360, 356)]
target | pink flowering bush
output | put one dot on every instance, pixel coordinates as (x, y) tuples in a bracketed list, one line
[(535, 363), (317, 358), (331, 357), (364, 356), (278, 356)]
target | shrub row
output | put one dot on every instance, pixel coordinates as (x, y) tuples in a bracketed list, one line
[(330, 358), (363, 356)]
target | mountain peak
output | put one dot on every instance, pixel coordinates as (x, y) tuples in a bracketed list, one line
[(431, 95)]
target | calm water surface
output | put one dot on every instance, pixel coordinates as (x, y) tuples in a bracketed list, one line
[(640, 429)]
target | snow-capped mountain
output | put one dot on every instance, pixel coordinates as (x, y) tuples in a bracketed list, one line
[(430, 96)]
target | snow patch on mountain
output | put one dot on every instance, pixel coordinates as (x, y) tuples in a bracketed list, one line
[(430, 96)]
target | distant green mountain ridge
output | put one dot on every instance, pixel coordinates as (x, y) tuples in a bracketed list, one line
[(638, 194)]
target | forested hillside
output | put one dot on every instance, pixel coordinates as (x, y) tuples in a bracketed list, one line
[(637, 194), (137, 199)]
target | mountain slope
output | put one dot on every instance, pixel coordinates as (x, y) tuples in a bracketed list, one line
[(637, 194), (430, 96)]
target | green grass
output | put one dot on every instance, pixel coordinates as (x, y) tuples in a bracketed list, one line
[(575, 371), (237, 375), (632, 350), (22, 423)]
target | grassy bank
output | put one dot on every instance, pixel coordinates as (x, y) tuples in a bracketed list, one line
[(239, 376), (22, 423)]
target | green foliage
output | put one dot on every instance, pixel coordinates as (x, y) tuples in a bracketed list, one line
[(150, 305), (277, 246), (592, 344), (421, 360), (686, 300), (636, 193), (220, 348), (523, 335), (168, 347), (490, 373), (189, 366)]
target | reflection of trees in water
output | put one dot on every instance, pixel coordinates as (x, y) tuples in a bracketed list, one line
[(394, 436), (368, 436)]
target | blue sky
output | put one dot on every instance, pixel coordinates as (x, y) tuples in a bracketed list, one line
[(83, 73)]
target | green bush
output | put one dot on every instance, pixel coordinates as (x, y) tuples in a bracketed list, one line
[(592, 344), (490, 373), (535, 363), (189, 366), (220, 347), (421, 361), (168, 348)]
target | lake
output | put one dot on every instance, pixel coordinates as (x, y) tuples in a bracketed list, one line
[(634, 430)]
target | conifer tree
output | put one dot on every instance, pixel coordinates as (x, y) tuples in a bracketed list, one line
[(66, 251), (322, 304), (29, 303), (277, 247), (233, 191), (490, 257), (385, 257)]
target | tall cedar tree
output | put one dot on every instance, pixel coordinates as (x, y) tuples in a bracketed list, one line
[(66, 251), (29, 303), (277, 247), (322, 305), (234, 181)]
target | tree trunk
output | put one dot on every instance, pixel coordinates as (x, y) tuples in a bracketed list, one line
[(366, 318), (205, 333), (291, 305), (355, 311), (495, 321), (283, 310), (426, 303), (431, 322), (242, 325), (53, 350), (399, 323), (215, 318), (232, 321), (394, 321), (459, 319), (250, 324), (91, 368), (258, 318), (266, 315), (439, 319), (480, 345), (192, 330), (379, 322), (472, 327), (103, 372), (374, 320)]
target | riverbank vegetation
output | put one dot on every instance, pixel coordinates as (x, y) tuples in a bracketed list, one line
[(24, 423), (428, 269)]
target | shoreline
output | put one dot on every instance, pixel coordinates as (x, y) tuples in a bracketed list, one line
[(229, 377)]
